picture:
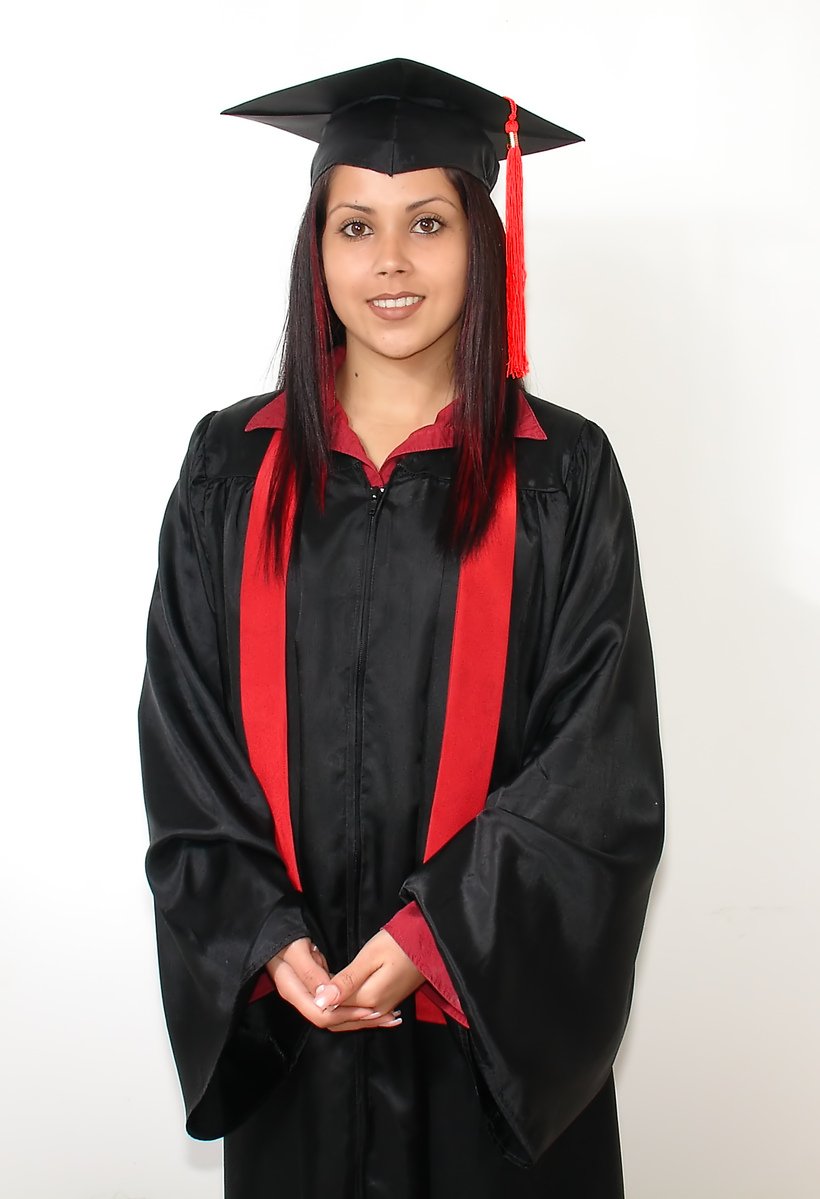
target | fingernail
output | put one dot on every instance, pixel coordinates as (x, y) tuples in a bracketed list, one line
[(392, 1023), (330, 997), (372, 1016)]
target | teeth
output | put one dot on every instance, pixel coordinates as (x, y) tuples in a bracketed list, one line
[(402, 302)]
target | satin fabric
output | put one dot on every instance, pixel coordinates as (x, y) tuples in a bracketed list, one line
[(537, 905), (410, 930)]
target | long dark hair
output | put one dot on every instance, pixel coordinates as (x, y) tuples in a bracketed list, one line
[(484, 407)]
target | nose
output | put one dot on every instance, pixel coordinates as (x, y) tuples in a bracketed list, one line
[(391, 254)]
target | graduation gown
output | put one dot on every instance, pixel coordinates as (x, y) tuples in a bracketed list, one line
[(295, 785)]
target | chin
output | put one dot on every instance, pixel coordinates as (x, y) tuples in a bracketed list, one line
[(404, 347), (403, 351)]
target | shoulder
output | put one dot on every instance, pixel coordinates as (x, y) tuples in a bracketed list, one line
[(548, 463), (222, 445)]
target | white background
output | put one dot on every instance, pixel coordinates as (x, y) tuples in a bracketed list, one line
[(673, 266)]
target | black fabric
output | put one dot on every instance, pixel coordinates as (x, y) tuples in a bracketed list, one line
[(435, 1145), (399, 115), (537, 905)]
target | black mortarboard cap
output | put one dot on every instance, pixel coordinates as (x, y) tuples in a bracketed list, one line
[(400, 115)]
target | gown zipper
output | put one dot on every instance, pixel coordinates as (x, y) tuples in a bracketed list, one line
[(374, 505)]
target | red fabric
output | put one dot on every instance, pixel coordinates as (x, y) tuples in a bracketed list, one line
[(262, 658), (478, 660), (411, 932), (262, 986)]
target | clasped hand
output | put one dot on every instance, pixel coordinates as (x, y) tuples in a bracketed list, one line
[(365, 994)]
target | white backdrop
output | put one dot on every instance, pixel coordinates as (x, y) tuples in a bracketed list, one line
[(673, 298)]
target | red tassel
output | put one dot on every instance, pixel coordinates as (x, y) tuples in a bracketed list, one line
[(517, 365)]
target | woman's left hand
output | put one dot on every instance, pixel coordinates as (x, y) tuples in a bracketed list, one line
[(380, 976)]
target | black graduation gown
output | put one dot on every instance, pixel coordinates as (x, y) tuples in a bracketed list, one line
[(537, 904)]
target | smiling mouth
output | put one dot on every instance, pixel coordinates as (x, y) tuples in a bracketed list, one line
[(400, 302)]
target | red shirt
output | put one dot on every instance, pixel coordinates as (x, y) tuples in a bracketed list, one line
[(437, 436)]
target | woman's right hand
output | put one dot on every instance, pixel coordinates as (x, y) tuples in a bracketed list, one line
[(296, 972)]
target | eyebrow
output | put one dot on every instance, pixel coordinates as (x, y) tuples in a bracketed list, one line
[(409, 208)]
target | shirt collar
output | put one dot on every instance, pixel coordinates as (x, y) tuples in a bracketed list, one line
[(436, 436)]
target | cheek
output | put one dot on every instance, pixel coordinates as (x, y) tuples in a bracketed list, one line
[(457, 275), (329, 264), (339, 273)]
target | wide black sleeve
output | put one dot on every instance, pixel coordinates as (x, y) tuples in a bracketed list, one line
[(223, 902), (538, 904)]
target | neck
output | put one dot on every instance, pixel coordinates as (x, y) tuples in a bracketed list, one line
[(402, 390)]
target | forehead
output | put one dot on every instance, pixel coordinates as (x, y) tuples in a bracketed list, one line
[(358, 185)]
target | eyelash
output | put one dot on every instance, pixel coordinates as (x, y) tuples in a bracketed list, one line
[(357, 237)]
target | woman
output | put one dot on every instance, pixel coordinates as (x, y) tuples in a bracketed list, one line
[(399, 725)]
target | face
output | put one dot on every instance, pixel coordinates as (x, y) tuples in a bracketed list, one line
[(396, 236)]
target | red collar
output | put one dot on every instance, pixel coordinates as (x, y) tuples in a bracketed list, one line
[(437, 436)]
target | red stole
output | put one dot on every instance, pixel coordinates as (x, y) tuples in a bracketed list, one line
[(475, 685)]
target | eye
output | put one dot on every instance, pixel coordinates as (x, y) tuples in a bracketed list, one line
[(428, 221), (353, 229)]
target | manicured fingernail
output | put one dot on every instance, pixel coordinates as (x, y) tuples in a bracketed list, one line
[(392, 1023), (330, 998), (372, 1016)]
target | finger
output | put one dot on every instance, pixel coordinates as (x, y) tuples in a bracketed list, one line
[(367, 963), (346, 1015), (378, 994), (361, 985), (347, 982), (361, 1016), (319, 957), (309, 969), (359, 1025), (339, 988), (293, 991)]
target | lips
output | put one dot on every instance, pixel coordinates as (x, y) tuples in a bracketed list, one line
[(395, 308)]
